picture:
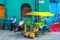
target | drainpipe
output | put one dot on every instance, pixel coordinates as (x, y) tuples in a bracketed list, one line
[(37, 10), (5, 19)]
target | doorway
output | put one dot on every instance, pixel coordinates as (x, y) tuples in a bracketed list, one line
[(25, 8), (1, 11)]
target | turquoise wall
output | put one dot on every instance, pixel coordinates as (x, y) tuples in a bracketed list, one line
[(54, 8), (1, 1), (14, 8), (43, 7)]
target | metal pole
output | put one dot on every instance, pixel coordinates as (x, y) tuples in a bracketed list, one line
[(5, 19), (37, 10)]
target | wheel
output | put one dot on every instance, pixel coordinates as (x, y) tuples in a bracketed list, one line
[(26, 34), (32, 35)]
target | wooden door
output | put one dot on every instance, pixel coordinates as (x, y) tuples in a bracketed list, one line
[(1, 11)]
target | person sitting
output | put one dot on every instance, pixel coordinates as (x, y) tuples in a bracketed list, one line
[(20, 25)]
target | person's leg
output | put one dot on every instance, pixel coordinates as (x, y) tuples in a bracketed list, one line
[(41, 30), (11, 28), (17, 29), (14, 27), (44, 29)]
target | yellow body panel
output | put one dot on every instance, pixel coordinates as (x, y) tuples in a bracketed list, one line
[(24, 28), (35, 29)]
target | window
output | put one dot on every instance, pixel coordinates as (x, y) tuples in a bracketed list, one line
[(41, 1), (54, 1), (1, 11)]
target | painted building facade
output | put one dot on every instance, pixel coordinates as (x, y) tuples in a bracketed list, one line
[(16, 8)]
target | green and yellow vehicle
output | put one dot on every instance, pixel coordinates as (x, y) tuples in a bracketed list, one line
[(35, 28)]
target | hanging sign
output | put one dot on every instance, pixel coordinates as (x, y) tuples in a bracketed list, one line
[(41, 1)]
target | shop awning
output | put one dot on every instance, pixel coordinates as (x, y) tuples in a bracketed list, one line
[(40, 14)]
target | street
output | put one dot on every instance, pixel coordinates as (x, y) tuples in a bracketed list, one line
[(10, 35)]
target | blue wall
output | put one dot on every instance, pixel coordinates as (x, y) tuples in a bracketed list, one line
[(54, 8), (58, 4)]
